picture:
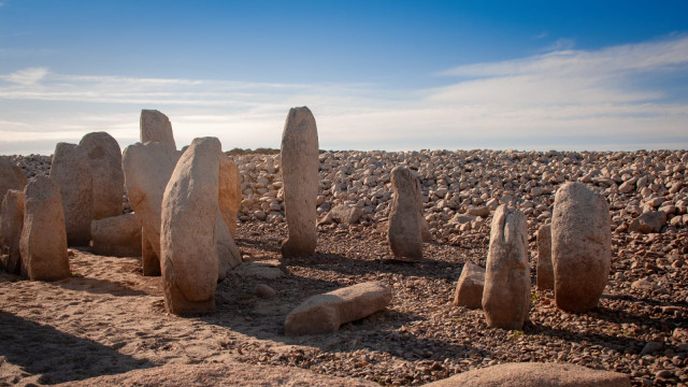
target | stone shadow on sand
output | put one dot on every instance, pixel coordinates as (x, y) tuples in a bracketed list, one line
[(98, 286), (238, 309), (618, 343), (356, 267), (59, 357)]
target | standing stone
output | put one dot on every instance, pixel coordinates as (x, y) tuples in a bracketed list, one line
[(105, 160), (11, 223), (71, 172), (156, 127), (147, 169), (404, 231), (190, 211), (228, 253), (506, 297), (545, 273), (11, 177), (43, 241), (469, 287), (581, 247), (299, 168), (230, 193), (117, 236)]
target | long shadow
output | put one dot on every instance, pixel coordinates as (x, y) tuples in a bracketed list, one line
[(99, 286), (348, 266), (57, 356), (238, 309), (621, 316), (630, 298), (620, 344)]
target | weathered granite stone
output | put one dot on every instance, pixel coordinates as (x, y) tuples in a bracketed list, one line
[(190, 215), (43, 241), (71, 172), (105, 160), (469, 287), (545, 272), (230, 193), (11, 223), (11, 177), (581, 247), (299, 167), (156, 127), (506, 296), (325, 313), (117, 236), (404, 232)]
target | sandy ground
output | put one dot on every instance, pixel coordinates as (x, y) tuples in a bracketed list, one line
[(108, 321)]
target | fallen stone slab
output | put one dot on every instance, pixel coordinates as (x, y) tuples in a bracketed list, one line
[(325, 313), (259, 269), (117, 236), (535, 375), (469, 287)]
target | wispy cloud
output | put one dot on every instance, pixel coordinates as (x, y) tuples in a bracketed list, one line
[(563, 98)]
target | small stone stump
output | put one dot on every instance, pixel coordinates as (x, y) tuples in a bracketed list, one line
[(469, 287), (117, 236)]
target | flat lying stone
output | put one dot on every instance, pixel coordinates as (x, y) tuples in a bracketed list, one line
[(535, 375), (325, 313), (469, 287), (259, 269), (117, 236), (649, 222)]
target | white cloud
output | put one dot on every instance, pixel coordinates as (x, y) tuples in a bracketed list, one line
[(28, 76), (562, 99)]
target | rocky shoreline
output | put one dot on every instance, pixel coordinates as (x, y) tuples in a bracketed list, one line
[(640, 327)]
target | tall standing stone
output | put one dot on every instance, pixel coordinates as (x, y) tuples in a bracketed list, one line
[(299, 166), (43, 241), (147, 169), (506, 296), (190, 211), (156, 127), (230, 193), (404, 230), (545, 272), (71, 172), (105, 159), (11, 223), (581, 247)]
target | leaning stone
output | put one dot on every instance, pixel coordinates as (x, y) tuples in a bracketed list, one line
[(71, 172), (404, 232), (536, 375), (190, 209), (11, 177), (581, 247), (325, 313), (11, 223), (545, 273), (105, 160), (469, 287), (230, 193), (506, 297), (648, 222), (299, 167), (117, 236), (43, 241), (156, 127), (147, 169)]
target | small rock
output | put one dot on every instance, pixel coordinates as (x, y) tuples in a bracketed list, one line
[(264, 291)]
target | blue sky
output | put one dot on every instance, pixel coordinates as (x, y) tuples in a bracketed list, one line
[(377, 74)]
